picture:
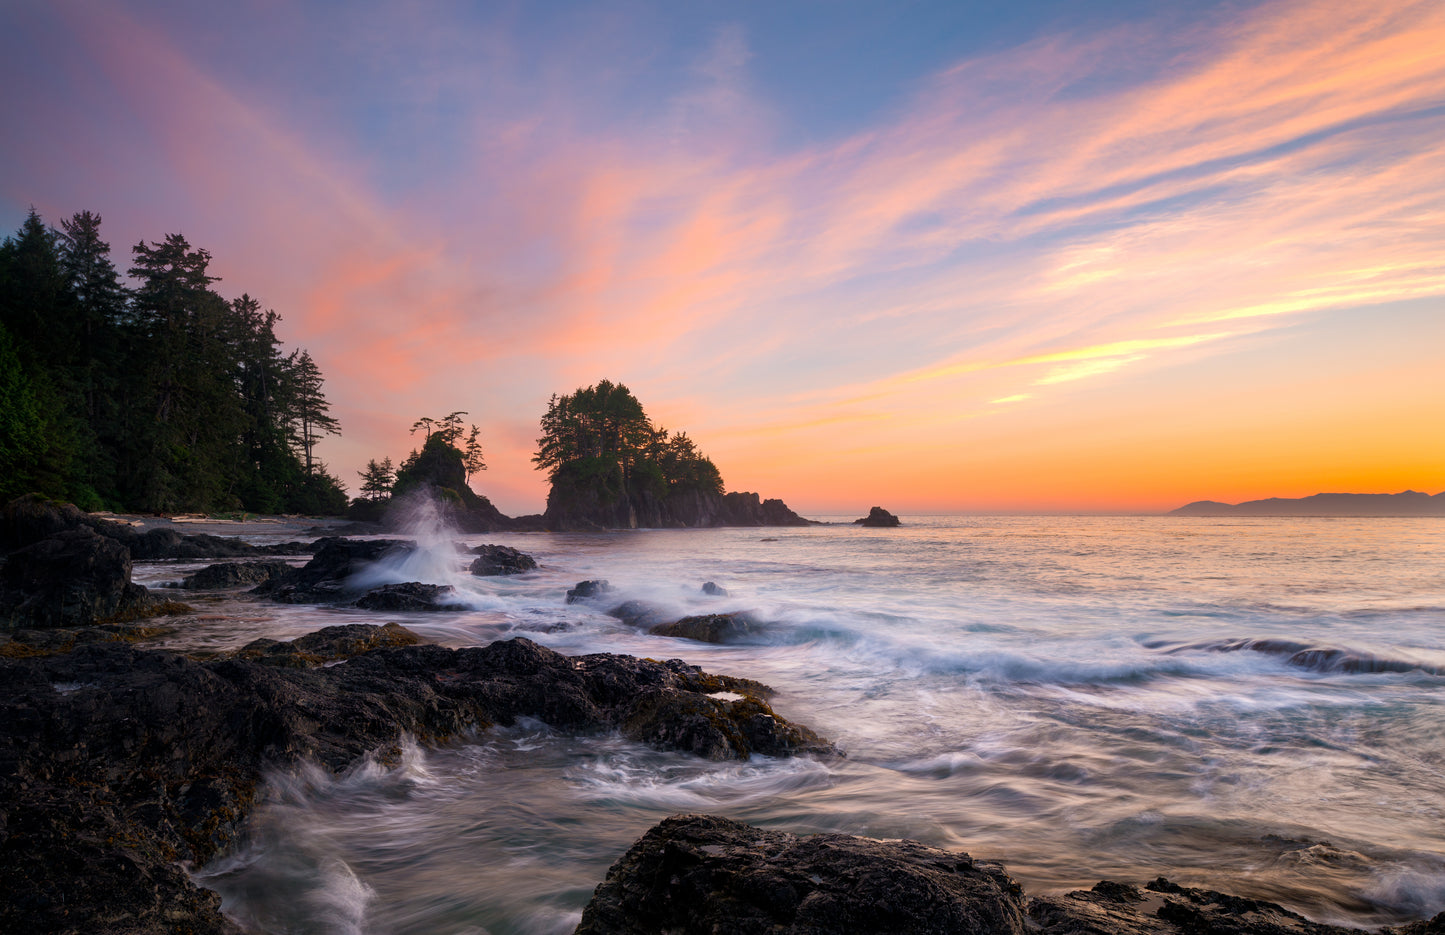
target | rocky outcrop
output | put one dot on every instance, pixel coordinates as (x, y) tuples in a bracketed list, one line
[(586, 507), (326, 579), (117, 764), (71, 578), (702, 874), (30, 518), (710, 628), (878, 517), (234, 575), (698, 873), (410, 596), (500, 560), (588, 590)]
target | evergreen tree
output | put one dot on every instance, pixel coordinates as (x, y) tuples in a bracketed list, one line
[(310, 411), (377, 479)]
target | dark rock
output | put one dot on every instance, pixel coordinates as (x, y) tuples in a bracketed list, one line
[(327, 577), (329, 644), (68, 579), (411, 595), (234, 575), (877, 516), (579, 505), (501, 560), (702, 874), (118, 764), (29, 519), (714, 727), (709, 628), (714, 590), (588, 590), (637, 614), (1164, 908), (698, 873)]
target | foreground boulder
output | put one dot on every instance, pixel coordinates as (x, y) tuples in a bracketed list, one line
[(877, 517), (698, 873), (116, 764), (69, 579), (703, 875)]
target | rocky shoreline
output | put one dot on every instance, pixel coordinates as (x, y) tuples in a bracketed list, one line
[(121, 767)]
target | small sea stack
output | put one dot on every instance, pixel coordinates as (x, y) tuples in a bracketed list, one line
[(877, 517)]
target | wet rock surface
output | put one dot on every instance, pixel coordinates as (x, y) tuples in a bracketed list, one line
[(500, 560), (326, 579), (710, 628), (588, 591), (410, 595), (118, 763), (234, 575), (699, 873), (704, 875)]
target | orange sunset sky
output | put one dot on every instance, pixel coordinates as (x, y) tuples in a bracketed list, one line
[(934, 256)]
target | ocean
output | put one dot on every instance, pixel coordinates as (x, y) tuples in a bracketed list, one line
[(1251, 705)]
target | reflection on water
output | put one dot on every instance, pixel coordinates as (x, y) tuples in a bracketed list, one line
[(1081, 698)]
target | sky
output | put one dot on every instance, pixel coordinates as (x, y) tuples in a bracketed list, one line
[(935, 256)]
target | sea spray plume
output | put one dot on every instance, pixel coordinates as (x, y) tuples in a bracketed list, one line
[(435, 559)]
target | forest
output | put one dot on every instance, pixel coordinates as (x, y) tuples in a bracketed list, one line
[(152, 395)]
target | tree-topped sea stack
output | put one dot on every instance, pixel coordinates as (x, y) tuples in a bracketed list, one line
[(611, 468)]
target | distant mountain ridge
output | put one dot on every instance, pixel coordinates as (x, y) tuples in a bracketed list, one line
[(1408, 503)]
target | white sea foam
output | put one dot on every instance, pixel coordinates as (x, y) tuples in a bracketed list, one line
[(1074, 693)]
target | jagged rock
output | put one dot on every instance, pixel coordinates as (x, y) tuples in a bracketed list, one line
[(70, 578), (327, 577), (329, 644), (234, 575), (501, 560), (709, 628), (410, 595), (588, 590), (877, 516), (117, 764), (702, 874), (637, 614), (714, 590)]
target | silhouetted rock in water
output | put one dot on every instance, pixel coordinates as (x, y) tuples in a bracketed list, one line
[(234, 575), (637, 614), (703, 875), (877, 516), (501, 560), (410, 595), (709, 628), (326, 578), (117, 764), (585, 506), (588, 590), (67, 579), (1408, 503), (713, 590), (698, 873)]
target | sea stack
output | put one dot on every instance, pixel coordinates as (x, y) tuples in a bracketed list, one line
[(877, 517)]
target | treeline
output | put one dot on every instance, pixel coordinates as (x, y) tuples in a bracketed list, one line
[(155, 396), (599, 440)]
